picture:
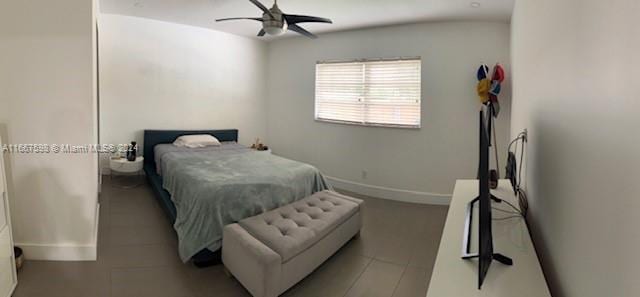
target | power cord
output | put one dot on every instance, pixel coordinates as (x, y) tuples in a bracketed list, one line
[(515, 213), (505, 211), (524, 202), (515, 175), (507, 218)]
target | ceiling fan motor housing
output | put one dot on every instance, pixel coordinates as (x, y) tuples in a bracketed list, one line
[(274, 25)]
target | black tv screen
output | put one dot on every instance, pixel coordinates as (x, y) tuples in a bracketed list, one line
[(485, 250), (485, 253)]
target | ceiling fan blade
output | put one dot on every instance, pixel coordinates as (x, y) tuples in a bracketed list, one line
[(262, 7), (232, 19), (294, 19), (298, 29), (261, 33)]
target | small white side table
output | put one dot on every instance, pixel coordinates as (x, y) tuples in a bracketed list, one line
[(123, 166)]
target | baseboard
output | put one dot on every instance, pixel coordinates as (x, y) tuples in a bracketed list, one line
[(64, 252), (55, 252), (390, 193), (96, 225)]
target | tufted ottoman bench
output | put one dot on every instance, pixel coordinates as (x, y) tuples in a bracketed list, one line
[(271, 252)]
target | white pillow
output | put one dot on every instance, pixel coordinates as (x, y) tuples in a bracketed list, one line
[(198, 140)]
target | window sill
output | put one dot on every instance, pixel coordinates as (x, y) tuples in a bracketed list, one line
[(369, 124)]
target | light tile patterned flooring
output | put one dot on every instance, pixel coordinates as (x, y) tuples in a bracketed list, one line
[(137, 256)]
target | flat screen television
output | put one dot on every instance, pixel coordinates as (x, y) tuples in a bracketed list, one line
[(485, 252)]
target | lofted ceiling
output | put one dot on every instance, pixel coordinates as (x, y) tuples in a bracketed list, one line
[(346, 14)]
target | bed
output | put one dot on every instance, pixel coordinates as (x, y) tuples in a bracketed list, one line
[(202, 190)]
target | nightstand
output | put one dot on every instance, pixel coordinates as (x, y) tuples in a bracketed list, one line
[(124, 167)]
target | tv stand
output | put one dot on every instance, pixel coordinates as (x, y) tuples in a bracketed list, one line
[(455, 277), (467, 234)]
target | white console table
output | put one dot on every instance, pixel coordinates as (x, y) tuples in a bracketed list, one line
[(455, 277)]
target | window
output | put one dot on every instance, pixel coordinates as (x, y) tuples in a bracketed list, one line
[(372, 92)]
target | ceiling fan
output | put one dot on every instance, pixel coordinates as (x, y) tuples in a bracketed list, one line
[(275, 22)]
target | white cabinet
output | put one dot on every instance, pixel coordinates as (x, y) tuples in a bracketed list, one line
[(453, 276), (8, 277)]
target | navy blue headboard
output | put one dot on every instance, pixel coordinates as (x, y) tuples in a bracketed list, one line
[(154, 137)]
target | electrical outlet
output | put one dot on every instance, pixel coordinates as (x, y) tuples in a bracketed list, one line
[(364, 174)]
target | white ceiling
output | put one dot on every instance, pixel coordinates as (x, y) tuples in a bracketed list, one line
[(346, 14)]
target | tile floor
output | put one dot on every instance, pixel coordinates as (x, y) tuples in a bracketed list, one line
[(137, 256)]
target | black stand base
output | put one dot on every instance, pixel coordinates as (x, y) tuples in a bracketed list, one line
[(498, 257), (467, 235), (503, 259)]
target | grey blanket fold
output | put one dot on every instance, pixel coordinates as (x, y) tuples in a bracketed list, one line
[(216, 188)]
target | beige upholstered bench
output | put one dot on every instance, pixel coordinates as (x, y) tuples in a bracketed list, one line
[(271, 252)]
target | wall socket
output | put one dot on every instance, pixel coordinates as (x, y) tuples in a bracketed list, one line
[(364, 174)]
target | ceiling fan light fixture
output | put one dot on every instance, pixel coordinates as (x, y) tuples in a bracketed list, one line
[(275, 31), (274, 27)]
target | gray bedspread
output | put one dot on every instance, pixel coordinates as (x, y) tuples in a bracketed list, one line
[(161, 149), (211, 189)]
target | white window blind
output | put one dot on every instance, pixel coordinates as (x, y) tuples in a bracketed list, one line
[(376, 93)]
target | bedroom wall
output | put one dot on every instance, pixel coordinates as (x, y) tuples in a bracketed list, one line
[(159, 75), (575, 89), (47, 96), (399, 163)]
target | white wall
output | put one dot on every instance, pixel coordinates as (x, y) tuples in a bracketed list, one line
[(576, 72), (47, 96), (417, 161), (158, 75)]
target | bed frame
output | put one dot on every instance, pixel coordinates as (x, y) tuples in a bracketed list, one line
[(155, 137)]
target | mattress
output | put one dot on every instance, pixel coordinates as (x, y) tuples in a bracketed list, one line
[(216, 187)]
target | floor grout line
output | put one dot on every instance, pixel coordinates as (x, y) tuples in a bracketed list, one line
[(358, 278), (404, 271), (392, 263)]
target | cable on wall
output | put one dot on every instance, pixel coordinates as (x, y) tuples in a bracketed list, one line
[(515, 159)]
